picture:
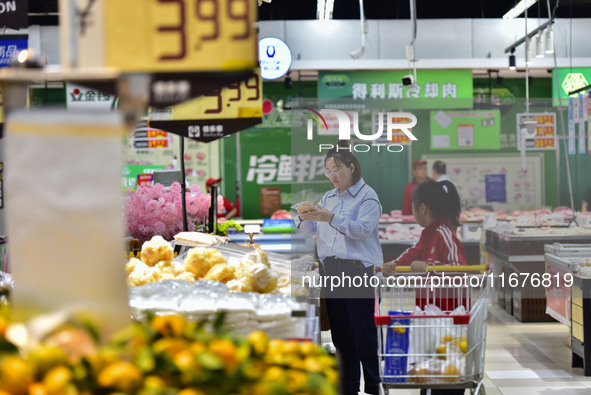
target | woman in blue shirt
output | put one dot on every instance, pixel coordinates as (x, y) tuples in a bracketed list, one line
[(346, 230)]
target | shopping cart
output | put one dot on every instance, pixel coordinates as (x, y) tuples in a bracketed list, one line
[(432, 328)]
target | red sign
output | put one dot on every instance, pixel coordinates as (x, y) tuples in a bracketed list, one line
[(145, 180), (398, 136)]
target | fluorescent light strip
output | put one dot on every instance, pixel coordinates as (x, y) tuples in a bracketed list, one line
[(519, 9)]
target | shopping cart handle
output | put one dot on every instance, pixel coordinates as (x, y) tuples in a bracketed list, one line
[(440, 268)]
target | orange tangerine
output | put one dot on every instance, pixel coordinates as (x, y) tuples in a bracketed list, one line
[(169, 325), (452, 372), (120, 375), (36, 389), (15, 375), (226, 350), (56, 380)]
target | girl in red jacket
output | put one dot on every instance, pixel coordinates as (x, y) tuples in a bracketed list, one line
[(436, 207)]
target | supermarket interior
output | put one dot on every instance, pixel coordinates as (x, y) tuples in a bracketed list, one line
[(295, 197)]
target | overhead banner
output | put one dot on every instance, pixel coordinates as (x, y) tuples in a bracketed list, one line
[(569, 79), (436, 88), (465, 130), (14, 14), (545, 138)]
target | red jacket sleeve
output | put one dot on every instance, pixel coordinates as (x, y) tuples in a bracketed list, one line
[(407, 202), (227, 205), (410, 255)]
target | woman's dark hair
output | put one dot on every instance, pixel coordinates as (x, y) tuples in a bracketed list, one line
[(341, 154), (441, 198)]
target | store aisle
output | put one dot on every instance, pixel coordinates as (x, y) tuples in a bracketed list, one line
[(527, 359)]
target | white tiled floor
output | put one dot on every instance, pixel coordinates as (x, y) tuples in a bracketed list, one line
[(527, 358)]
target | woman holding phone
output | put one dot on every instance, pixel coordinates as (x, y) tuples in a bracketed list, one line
[(345, 223)]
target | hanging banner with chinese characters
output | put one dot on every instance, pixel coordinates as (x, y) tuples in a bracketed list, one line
[(469, 130), (435, 88), (545, 138)]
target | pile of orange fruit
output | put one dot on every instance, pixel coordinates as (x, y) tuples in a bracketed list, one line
[(166, 355)]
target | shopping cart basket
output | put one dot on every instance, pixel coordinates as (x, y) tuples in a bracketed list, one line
[(432, 328)]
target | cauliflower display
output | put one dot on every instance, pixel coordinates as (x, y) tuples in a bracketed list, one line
[(257, 256), (165, 268), (221, 272), (156, 250), (186, 276), (200, 260), (252, 273), (132, 264), (243, 284), (264, 280), (142, 274)]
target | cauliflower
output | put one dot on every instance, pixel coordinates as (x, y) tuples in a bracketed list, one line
[(165, 268), (257, 256), (142, 274), (132, 264), (221, 272), (243, 284), (264, 280), (156, 250), (200, 260), (186, 276)]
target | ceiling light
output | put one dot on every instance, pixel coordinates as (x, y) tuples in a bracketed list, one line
[(519, 9), (512, 65), (549, 41), (539, 46)]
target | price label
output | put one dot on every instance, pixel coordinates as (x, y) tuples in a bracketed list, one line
[(161, 35), (238, 100)]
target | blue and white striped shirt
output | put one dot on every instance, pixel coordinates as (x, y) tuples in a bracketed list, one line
[(353, 231)]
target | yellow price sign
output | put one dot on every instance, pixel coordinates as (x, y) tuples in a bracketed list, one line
[(219, 113), (161, 35), (238, 100)]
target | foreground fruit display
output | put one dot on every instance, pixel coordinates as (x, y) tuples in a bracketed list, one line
[(167, 355)]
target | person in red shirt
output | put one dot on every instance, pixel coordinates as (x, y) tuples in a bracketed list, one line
[(227, 210), (435, 206), (419, 170)]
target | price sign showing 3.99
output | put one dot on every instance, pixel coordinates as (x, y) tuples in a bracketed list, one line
[(169, 35)]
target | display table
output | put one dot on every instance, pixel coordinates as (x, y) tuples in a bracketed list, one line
[(523, 254)]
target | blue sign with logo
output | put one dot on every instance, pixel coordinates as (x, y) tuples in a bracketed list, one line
[(496, 188), (9, 48)]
